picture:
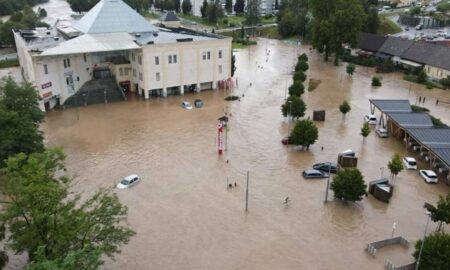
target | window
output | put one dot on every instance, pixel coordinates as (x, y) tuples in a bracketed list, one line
[(204, 56), (68, 62), (140, 76), (134, 72), (174, 58), (45, 69), (156, 60), (132, 57), (140, 60), (170, 59), (220, 54), (209, 55), (158, 77), (220, 69), (84, 57), (125, 71), (121, 71), (65, 63)]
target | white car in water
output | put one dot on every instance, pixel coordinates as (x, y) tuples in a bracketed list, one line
[(186, 105), (128, 181), (429, 176), (410, 163), (371, 119)]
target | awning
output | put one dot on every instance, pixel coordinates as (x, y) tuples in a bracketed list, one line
[(405, 62)]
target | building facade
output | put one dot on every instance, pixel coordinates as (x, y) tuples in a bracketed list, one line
[(113, 41)]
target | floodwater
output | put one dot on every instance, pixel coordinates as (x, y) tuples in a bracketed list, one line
[(184, 215)]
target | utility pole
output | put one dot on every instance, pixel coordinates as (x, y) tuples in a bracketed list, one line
[(289, 120), (246, 193), (423, 240), (328, 182), (76, 106)]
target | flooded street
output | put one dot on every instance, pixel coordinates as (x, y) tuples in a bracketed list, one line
[(184, 215)]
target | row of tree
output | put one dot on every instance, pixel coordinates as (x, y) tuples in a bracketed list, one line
[(8, 7), (40, 215)]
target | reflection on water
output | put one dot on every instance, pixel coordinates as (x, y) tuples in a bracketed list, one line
[(184, 215)]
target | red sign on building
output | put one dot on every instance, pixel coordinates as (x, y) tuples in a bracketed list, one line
[(47, 95)]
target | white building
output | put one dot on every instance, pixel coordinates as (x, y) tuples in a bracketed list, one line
[(112, 40)]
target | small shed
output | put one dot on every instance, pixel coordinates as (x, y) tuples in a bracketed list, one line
[(319, 115), (381, 189), (347, 159)]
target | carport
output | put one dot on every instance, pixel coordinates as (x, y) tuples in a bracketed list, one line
[(388, 106), (398, 122)]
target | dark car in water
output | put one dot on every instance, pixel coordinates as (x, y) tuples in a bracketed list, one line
[(326, 167)]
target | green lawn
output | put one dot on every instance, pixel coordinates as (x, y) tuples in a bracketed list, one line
[(225, 22), (387, 26), (9, 63)]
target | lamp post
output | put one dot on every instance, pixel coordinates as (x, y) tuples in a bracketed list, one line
[(423, 239), (289, 121), (328, 182)]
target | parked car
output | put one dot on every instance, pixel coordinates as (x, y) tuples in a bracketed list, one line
[(371, 119), (312, 173), (326, 167), (186, 105), (286, 141), (128, 181), (406, 28), (410, 163), (419, 26), (382, 132), (429, 176), (198, 103)]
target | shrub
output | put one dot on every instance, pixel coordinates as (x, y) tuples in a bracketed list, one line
[(231, 98), (299, 76), (296, 89), (376, 81), (385, 66)]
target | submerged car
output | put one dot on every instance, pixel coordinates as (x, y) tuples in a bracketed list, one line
[(410, 163), (326, 167), (128, 181), (382, 132), (429, 176), (371, 119), (186, 105), (198, 103), (312, 173)]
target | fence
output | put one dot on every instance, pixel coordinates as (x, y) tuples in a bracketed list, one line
[(372, 247), (390, 266)]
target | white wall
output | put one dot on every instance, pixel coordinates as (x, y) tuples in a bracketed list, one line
[(436, 73)]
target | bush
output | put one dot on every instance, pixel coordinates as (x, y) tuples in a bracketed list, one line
[(244, 41), (301, 65), (416, 108), (445, 82), (376, 81), (350, 69), (225, 21), (231, 98), (385, 66), (296, 89), (422, 77), (437, 122), (299, 76)]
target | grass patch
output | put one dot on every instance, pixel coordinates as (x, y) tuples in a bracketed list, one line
[(237, 45), (9, 63), (387, 26), (437, 122), (225, 22), (428, 84), (313, 84), (269, 32)]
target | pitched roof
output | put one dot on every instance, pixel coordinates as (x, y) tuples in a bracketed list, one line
[(392, 105), (443, 154), (371, 42), (419, 52), (440, 57), (113, 16), (432, 137), (395, 46), (411, 119), (169, 17)]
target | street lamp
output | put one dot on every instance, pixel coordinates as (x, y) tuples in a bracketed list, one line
[(328, 182), (423, 239), (289, 122)]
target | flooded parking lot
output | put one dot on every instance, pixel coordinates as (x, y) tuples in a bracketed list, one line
[(184, 215)]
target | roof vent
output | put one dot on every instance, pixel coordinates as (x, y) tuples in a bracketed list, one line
[(138, 35), (155, 34)]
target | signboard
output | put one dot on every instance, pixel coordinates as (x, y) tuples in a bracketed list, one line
[(47, 95), (46, 85)]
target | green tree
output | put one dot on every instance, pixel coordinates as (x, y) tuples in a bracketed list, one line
[(292, 17), (414, 11), (214, 12), (299, 76), (239, 6), (365, 131), (42, 12), (373, 21), (395, 165), (301, 65), (42, 212), (3, 256), (435, 253), (286, 24), (348, 185), (84, 259), (305, 133), (296, 89), (350, 69), (294, 106), (302, 57), (204, 8), (422, 76), (186, 7), (252, 14), (344, 108), (441, 212), (19, 120), (229, 6)]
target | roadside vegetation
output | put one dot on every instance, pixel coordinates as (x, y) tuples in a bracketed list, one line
[(348, 185), (8, 7), (9, 63), (387, 26)]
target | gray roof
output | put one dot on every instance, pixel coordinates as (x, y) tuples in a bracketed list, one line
[(113, 16), (169, 17), (371, 42), (443, 154), (411, 119), (392, 105), (419, 52), (440, 57), (395, 46), (169, 37), (432, 137)]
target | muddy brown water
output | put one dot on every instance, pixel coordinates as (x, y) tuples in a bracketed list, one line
[(184, 215)]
